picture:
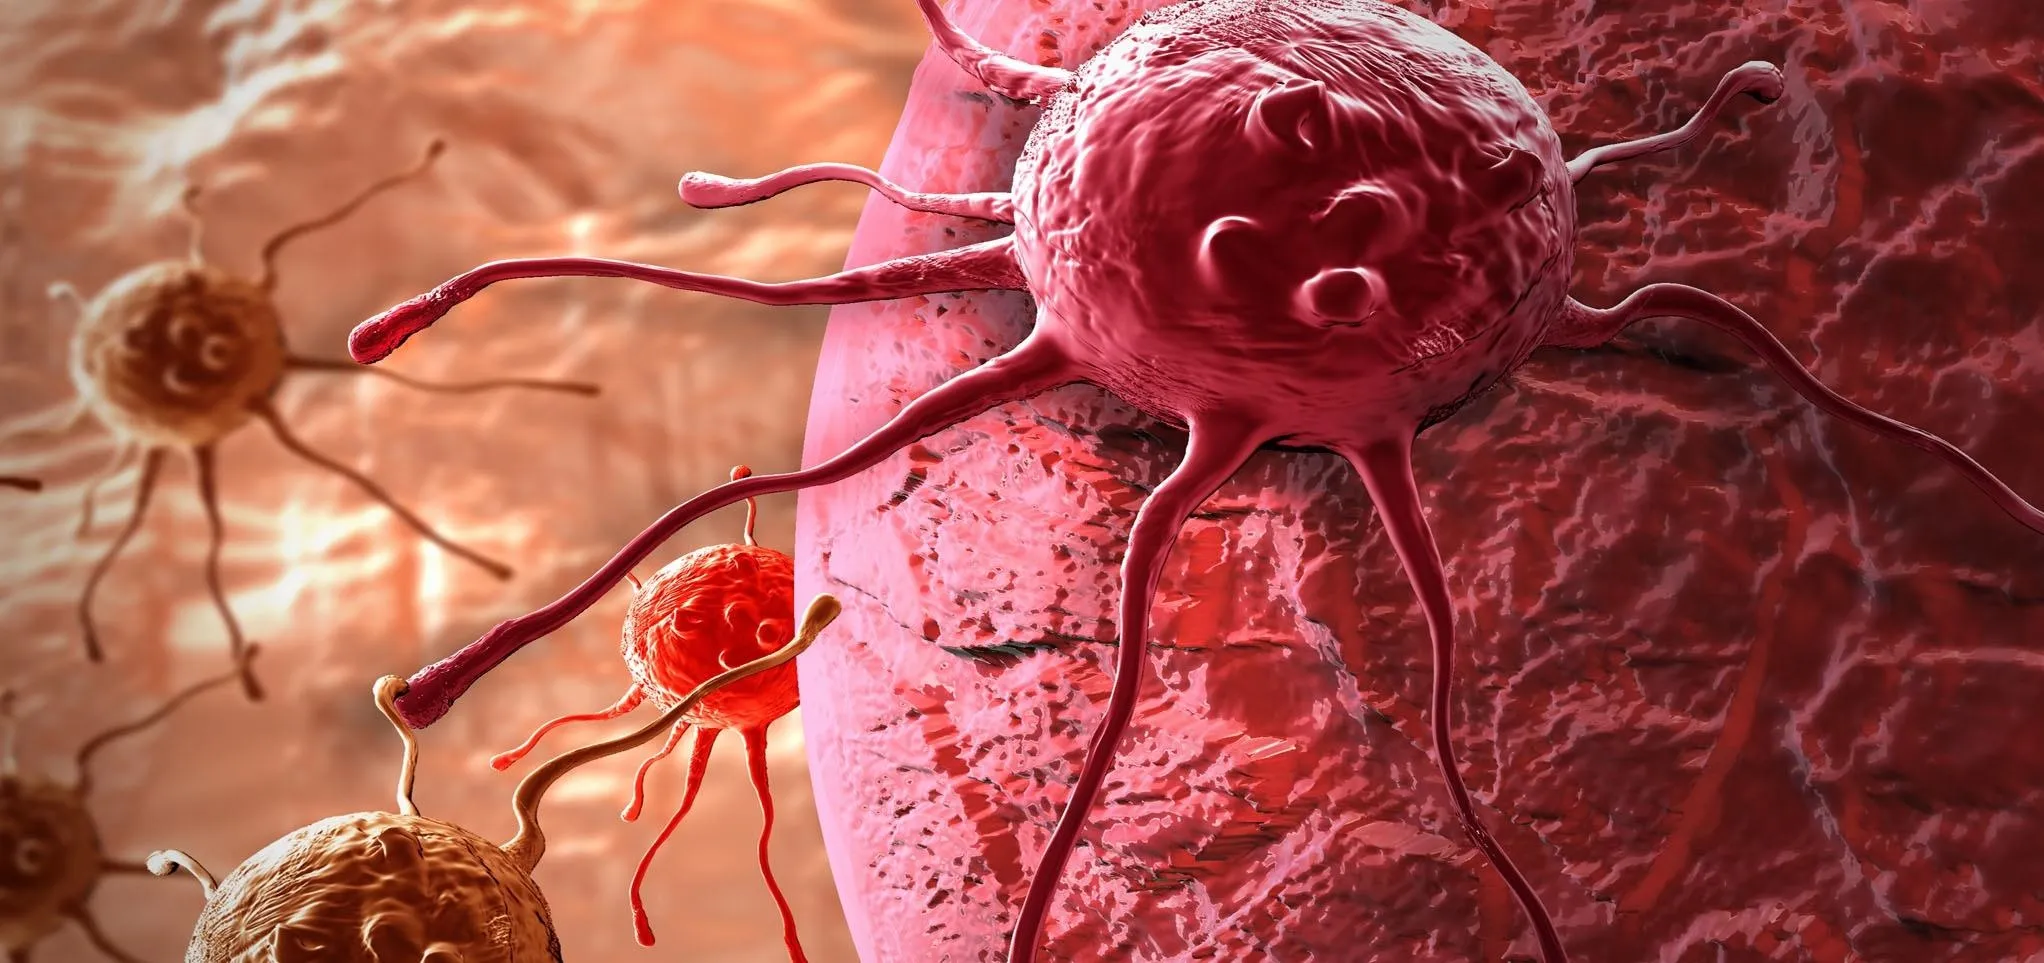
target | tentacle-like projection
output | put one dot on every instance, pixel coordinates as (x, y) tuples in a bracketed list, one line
[(976, 267), (700, 745), (1036, 365), (275, 245), (446, 388), (22, 482), (123, 454), (93, 745), (369, 486), (386, 692), (164, 862), (637, 804), (209, 499), (1216, 449), (699, 189), (632, 699), (1386, 467), (98, 938), (1759, 78), (1582, 327), (756, 763), (145, 486), (998, 72)]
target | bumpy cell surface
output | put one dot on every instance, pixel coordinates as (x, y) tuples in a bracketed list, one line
[(1298, 211), (178, 353), (377, 888), (705, 612)]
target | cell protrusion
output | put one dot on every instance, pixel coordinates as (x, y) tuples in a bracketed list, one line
[(986, 266), (1229, 248), (1505, 177), (1294, 115), (1341, 296), (1367, 218), (166, 862), (998, 72), (704, 190), (1756, 78)]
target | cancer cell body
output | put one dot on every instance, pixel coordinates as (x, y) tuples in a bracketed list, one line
[(376, 887), (1262, 806)]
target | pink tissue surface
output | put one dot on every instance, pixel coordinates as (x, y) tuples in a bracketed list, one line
[(1736, 682)]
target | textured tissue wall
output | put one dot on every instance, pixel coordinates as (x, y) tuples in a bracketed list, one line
[(1737, 683), (567, 124), (1751, 685)]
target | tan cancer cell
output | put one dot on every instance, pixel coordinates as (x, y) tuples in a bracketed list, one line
[(176, 355)]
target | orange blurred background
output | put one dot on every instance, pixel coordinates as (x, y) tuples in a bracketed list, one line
[(568, 124)]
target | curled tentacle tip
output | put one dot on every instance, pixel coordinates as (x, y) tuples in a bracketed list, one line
[(374, 340), (502, 762), (739, 471), (1762, 80), (823, 609), (388, 689), (703, 189), (417, 711)]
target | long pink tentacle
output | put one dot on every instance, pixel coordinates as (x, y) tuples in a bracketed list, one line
[(998, 72), (1759, 78), (1036, 365), (1582, 326), (637, 805), (698, 763), (756, 762), (1386, 467), (985, 266), (632, 699), (699, 189), (1215, 450)]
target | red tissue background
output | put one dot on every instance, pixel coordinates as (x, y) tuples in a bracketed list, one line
[(1736, 683)]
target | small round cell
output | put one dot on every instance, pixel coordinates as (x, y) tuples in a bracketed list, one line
[(178, 353)]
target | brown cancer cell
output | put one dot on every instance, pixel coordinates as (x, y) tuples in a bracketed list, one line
[(51, 860)]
